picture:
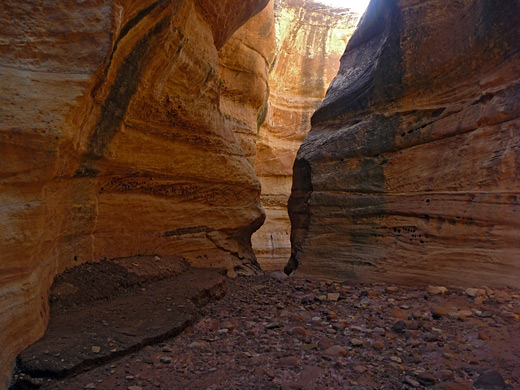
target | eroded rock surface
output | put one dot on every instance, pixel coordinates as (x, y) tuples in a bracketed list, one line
[(244, 69), (113, 145), (311, 38), (411, 170)]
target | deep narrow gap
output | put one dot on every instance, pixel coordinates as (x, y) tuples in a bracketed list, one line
[(311, 38)]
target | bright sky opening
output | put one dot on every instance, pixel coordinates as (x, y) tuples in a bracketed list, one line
[(358, 6)]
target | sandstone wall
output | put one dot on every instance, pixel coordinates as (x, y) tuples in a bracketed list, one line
[(113, 144), (244, 69), (411, 172), (311, 38)]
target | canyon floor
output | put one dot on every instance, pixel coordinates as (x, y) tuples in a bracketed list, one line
[(274, 332)]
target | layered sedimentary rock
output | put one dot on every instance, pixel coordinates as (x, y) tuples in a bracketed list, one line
[(411, 172), (113, 144), (244, 70), (311, 38)]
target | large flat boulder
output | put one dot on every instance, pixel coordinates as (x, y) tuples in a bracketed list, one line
[(102, 311)]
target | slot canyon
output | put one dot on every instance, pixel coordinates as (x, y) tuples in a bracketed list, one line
[(259, 194)]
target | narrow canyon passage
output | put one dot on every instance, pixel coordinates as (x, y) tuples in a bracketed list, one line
[(310, 39), (149, 201)]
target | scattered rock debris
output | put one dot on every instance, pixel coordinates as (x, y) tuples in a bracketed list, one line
[(281, 335)]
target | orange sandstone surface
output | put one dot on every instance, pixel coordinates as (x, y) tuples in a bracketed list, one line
[(114, 143)]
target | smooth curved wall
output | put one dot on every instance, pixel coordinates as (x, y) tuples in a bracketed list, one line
[(113, 144)]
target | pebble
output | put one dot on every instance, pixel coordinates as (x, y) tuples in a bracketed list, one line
[(437, 290), (472, 292), (439, 311), (465, 313), (96, 349), (299, 331), (335, 351), (273, 325), (412, 382), (417, 314), (325, 343), (357, 342), (426, 379), (445, 375), (91, 386), (360, 369), (165, 360), (334, 297), (490, 380)]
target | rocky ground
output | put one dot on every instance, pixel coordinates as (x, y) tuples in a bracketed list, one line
[(272, 332)]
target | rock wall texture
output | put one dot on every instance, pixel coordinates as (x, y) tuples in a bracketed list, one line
[(311, 38), (113, 143), (411, 172), (244, 69)]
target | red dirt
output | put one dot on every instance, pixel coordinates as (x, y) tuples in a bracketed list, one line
[(276, 334)]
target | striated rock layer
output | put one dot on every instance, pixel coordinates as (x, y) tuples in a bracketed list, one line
[(244, 70), (411, 172), (113, 143), (311, 38)]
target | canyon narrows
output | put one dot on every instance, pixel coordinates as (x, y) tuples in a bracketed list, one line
[(411, 171), (143, 143), (310, 40)]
